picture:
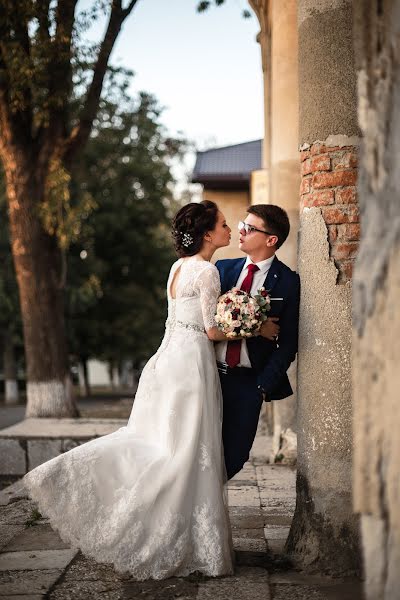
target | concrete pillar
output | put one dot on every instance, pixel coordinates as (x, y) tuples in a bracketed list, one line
[(285, 175), (324, 532), (261, 9), (285, 163), (279, 46), (233, 204), (376, 337)]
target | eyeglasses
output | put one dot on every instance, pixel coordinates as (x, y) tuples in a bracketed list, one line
[(242, 226)]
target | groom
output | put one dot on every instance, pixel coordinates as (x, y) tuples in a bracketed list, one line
[(255, 369)]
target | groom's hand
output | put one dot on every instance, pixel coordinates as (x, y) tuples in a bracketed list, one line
[(270, 328)]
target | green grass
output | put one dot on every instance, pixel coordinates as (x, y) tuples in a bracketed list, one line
[(35, 516)]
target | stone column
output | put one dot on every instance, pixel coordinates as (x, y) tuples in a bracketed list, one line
[(285, 164), (324, 532), (261, 9), (279, 47), (376, 338), (285, 178)]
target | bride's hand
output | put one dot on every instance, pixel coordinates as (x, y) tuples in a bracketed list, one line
[(270, 329)]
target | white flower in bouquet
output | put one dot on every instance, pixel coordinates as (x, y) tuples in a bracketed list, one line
[(240, 314)]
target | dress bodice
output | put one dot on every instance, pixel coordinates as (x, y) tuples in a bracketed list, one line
[(197, 291)]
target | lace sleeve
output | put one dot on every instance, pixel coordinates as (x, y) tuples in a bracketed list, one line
[(209, 287)]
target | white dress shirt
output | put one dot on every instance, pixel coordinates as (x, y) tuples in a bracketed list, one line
[(258, 282)]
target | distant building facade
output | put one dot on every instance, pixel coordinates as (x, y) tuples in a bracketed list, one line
[(226, 175)]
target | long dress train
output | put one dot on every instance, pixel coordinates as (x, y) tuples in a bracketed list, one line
[(150, 497)]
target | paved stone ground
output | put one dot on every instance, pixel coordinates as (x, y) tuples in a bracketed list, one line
[(95, 408), (35, 563)]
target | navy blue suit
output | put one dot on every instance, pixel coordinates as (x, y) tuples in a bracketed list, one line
[(269, 359)]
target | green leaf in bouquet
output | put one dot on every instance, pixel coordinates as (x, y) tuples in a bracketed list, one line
[(262, 301)]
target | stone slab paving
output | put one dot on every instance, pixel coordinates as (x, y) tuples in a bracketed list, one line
[(31, 442), (12, 493), (61, 428), (34, 560), (36, 564)]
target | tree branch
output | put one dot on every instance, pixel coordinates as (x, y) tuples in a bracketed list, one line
[(81, 132), (13, 122), (60, 79), (21, 30), (44, 21)]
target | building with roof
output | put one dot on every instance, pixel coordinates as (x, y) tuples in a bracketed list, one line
[(226, 176)]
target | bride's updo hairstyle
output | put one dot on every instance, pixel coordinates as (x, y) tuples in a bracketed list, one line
[(190, 224)]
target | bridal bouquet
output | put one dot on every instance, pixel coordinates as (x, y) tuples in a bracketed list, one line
[(238, 313)]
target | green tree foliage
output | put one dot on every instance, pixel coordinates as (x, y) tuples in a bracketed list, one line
[(43, 130), (117, 270), (205, 5)]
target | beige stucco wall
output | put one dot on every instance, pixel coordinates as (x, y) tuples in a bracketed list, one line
[(328, 103), (376, 357), (324, 530), (285, 163), (233, 204), (324, 504), (279, 182), (376, 314)]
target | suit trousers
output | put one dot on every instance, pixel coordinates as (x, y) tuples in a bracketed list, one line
[(241, 405)]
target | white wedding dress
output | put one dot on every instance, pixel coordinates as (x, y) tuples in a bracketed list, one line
[(150, 497)]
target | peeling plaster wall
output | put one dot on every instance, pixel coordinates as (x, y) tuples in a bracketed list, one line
[(376, 338), (324, 526), (327, 92), (325, 532)]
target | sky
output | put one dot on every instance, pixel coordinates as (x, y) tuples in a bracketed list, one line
[(204, 68)]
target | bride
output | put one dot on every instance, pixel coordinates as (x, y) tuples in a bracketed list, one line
[(150, 497)]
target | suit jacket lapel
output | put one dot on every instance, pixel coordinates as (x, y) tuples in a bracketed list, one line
[(273, 275), (234, 273)]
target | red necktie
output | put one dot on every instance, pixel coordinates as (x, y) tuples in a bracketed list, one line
[(233, 349)]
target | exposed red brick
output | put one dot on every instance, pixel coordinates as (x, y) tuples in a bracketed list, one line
[(332, 148), (304, 201), (321, 149), (320, 163), (332, 233), (307, 201), (318, 198), (349, 231), (346, 270), (322, 198), (306, 167), (334, 179), (341, 214), (317, 149), (346, 195), (305, 185), (344, 250), (346, 160), (304, 154)]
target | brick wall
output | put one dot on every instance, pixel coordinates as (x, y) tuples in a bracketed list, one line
[(329, 178)]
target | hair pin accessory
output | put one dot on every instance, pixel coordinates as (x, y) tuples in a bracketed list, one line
[(187, 239)]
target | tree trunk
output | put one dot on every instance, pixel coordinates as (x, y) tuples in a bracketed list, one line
[(112, 371), (37, 266), (85, 370), (10, 371)]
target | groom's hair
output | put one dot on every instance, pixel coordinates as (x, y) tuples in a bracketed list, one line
[(275, 219)]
